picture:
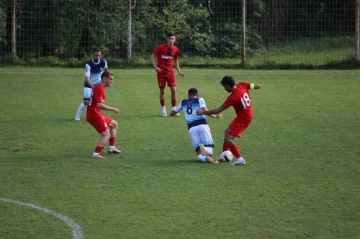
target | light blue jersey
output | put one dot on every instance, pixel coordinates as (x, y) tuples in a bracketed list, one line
[(198, 127), (190, 106)]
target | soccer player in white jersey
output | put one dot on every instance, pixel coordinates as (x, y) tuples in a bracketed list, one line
[(198, 127), (93, 70)]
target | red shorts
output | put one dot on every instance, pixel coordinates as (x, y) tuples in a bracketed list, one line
[(162, 80), (237, 126), (100, 123)]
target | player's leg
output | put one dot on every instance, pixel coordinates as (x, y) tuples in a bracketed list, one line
[(162, 84), (105, 136), (206, 139), (236, 128), (198, 146), (86, 95), (113, 125), (171, 82), (100, 125)]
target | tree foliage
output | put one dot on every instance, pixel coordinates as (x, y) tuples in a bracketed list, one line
[(72, 28)]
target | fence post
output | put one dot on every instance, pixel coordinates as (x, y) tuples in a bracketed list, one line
[(128, 41), (13, 27), (243, 42), (357, 25)]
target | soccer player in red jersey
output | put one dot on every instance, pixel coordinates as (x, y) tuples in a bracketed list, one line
[(166, 54), (104, 125), (240, 100)]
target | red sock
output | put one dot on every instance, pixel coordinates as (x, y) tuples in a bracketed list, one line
[(162, 102), (225, 147), (98, 149), (173, 102), (112, 141), (235, 150)]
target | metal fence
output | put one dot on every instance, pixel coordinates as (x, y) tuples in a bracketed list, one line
[(218, 31)]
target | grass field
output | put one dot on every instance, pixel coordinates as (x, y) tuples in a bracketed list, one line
[(302, 150)]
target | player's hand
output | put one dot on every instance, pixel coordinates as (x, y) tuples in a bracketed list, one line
[(116, 110), (199, 112), (157, 69), (219, 116), (182, 74)]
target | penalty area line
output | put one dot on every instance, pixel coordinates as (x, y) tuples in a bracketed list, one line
[(76, 230)]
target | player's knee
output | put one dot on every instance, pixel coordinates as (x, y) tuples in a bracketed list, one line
[(114, 124), (106, 134)]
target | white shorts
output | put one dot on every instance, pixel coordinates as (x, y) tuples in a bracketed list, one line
[(201, 134), (87, 93)]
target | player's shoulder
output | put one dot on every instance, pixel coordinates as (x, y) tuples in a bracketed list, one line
[(243, 83), (89, 63), (98, 87)]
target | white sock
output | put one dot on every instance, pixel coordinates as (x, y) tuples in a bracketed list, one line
[(202, 158), (95, 154), (111, 147), (209, 151), (80, 109)]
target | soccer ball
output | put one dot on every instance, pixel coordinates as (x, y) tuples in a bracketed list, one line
[(226, 156)]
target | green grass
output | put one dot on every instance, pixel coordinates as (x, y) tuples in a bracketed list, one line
[(302, 150)]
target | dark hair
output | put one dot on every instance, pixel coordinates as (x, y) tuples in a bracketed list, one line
[(170, 34), (106, 74), (192, 91), (96, 50), (228, 80)]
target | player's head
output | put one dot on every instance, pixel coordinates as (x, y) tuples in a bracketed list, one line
[(170, 38), (193, 92), (107, 78), (228, 83), (96, 55)]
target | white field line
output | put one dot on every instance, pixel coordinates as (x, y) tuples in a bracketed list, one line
[(76, 230)]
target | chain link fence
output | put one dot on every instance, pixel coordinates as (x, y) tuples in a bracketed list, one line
[(252, 32)]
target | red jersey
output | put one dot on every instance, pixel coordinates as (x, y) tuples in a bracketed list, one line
[(98, 95), (165, 56), (240, 100)]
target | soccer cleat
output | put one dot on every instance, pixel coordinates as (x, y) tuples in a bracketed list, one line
[(77, 118), (239, 163), (114, 151), (211, 160), (96, 156), (177, 114), (163, 112)]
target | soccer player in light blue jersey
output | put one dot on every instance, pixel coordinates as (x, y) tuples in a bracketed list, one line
[(198, 127), (93, 70)]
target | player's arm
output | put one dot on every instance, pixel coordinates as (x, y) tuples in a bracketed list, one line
[(210, 112), (87, 76), (152, 59), (176, 110), (177, 66), (255, 86), (106, 68), (216, 116), (108, 108)]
